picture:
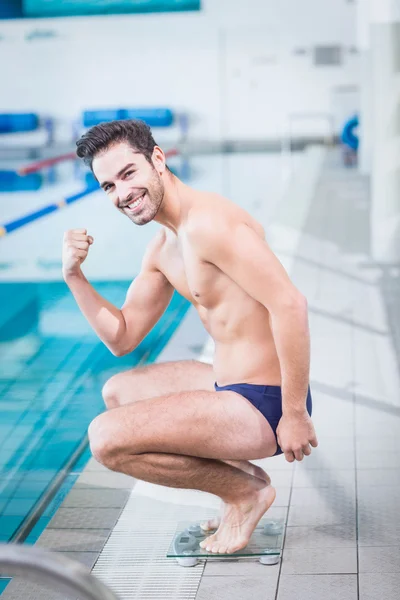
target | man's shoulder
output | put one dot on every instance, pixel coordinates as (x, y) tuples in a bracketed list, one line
[(216, 217), (210, 212), (151, 259)]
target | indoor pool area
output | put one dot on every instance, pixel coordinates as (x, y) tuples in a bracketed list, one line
[(335, 507), (112, 329)]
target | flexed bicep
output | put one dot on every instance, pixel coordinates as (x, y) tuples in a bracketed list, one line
[(146, 301)]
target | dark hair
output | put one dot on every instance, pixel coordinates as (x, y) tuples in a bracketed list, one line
[(100, 137)]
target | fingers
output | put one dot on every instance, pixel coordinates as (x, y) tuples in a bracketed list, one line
[(72, 236), (314, 442), (307, 450), (78, 239), (292, 455), (81, 245), (299, 455), (289, 456)]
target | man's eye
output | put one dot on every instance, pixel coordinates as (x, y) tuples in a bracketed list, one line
[(106, 188), (129, 173)]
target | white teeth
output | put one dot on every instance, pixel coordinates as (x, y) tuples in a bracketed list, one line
[(136, 203)]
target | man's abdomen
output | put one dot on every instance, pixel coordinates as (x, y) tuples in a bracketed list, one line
[(247, 361), (244, 346)]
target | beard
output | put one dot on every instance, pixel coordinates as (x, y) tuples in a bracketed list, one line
[(154, 195)]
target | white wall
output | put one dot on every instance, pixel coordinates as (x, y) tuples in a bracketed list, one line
[(212, 64)]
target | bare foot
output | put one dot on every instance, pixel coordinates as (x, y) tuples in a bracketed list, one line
[(239, 521), (247, 467)]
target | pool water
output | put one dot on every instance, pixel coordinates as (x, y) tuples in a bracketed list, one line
[(52, 371)]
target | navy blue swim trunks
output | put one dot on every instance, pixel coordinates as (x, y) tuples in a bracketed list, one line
[(267, 399)]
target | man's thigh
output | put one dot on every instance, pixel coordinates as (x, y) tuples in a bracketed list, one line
[(160, 379), (220, 425)]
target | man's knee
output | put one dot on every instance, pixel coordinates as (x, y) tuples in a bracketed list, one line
[(122, 388), (111, 392), (102, 442)]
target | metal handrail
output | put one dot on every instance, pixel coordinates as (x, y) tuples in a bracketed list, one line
[(307, 116), (62, 573), (287, 136)]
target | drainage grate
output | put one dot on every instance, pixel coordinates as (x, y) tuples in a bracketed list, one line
[(133, 562)]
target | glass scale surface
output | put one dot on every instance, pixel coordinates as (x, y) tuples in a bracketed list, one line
[(265, 543)]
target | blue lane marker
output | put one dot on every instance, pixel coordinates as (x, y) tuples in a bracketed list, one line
[(22, 221)]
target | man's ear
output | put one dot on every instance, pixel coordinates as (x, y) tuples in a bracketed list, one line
[(158, 159)]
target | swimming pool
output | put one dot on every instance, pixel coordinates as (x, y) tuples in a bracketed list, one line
[(50, 387)]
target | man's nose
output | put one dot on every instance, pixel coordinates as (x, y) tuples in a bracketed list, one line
[(124, 193)]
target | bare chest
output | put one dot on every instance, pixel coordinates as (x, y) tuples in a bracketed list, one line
[(199, 282)]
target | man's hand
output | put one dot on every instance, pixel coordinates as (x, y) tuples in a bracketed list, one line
[(75, 250), (295, 433)]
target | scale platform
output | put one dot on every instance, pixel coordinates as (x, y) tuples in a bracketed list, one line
[(265, 544)]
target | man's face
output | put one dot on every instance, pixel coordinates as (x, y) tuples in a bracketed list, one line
[(131, 182)]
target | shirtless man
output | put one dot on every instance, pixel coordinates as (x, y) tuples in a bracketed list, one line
[(187, 424)]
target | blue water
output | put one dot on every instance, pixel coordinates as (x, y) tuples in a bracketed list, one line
[(50, 386)]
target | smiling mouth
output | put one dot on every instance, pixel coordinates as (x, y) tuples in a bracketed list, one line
[(134, 205)]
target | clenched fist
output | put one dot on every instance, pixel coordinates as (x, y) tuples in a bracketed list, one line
[(75, 250)]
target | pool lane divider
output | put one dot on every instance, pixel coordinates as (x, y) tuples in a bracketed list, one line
[(47, 162), (11, 226)]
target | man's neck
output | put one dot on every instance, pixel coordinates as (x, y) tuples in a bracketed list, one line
[(174, 205)]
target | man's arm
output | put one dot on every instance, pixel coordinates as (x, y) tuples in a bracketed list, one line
[(146, 301), (147, 298)]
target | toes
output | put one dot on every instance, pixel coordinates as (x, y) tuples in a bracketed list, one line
[(209, 525), (212, 545), (214, 548), (207, 543)]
